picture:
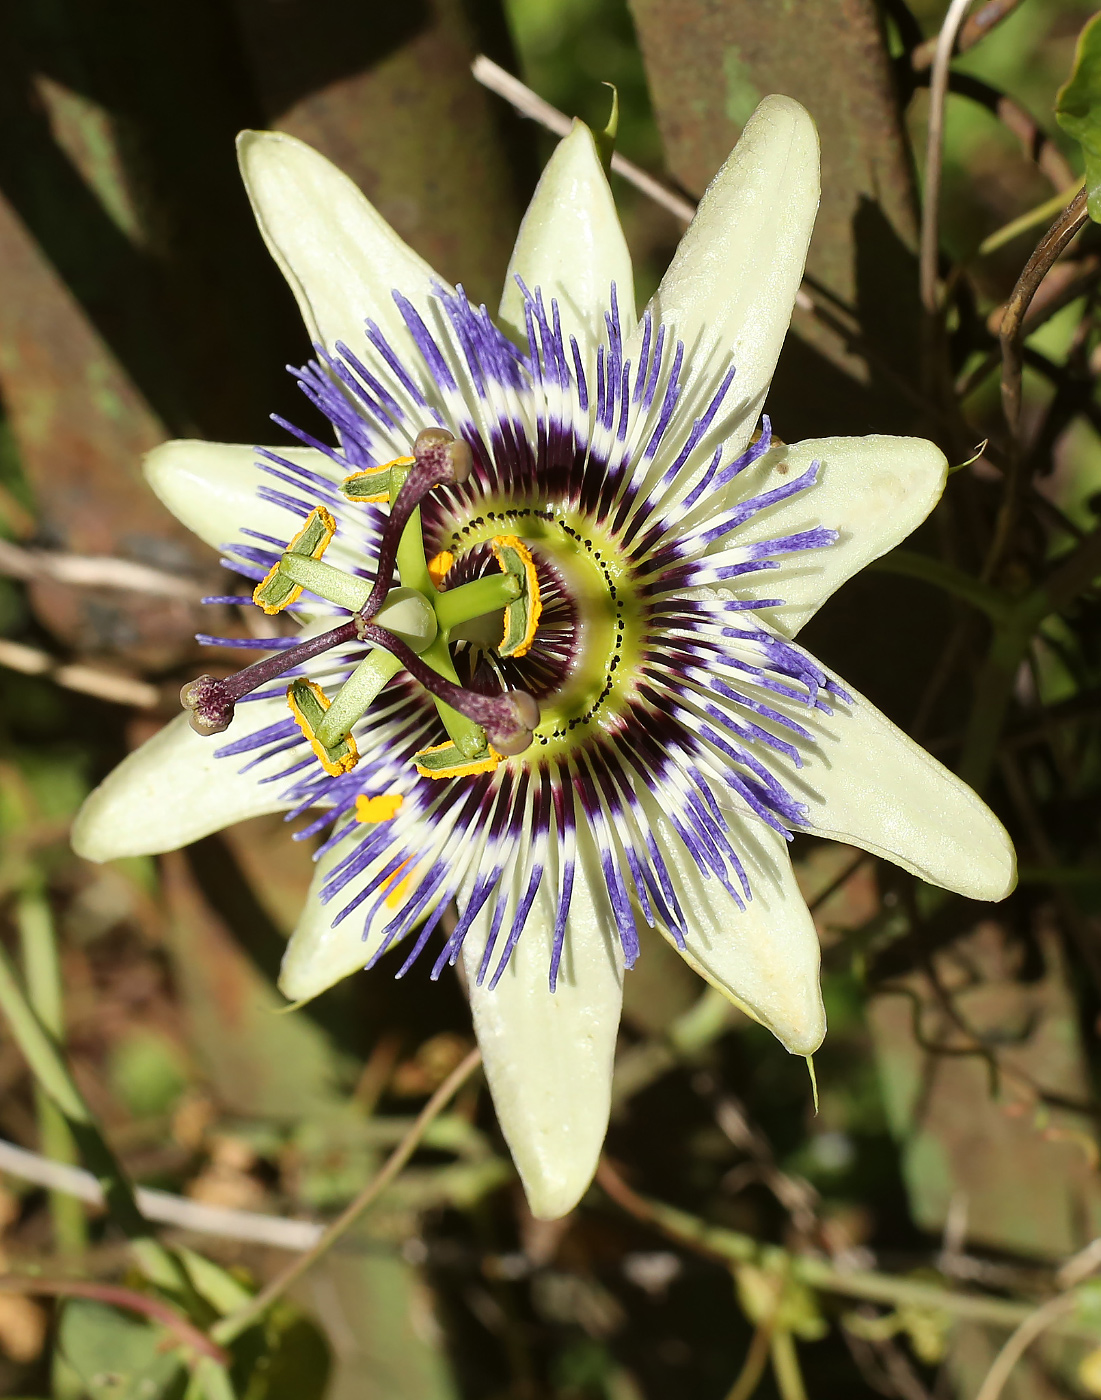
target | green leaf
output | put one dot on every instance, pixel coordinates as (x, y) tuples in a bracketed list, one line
[(118, 1357), (1078, 109), (298, 1365)]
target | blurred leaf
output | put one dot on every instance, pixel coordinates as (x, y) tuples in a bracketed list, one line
[(380, 1314), (293, 1361), (147, 1073), (219, 1288), (1078, 109), (117, 1357)]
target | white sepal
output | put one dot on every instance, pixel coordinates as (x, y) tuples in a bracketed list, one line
[(548, 1056), (765, 957), (174, 790), (729, 291), (571, 246), (872, 490), (868, 784), (341, 258), (211, 487)]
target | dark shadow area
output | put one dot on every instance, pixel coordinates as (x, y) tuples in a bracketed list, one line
[(307, 29), (169, 268)]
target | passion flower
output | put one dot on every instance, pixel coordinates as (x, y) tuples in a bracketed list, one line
[(549, 572)]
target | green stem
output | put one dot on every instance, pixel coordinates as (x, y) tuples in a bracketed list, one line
[(52, 1074), (753, 1368), (731, 1246), (785, 1367), (1013, 634), (993, 691), (484, 595), (42, 970), (355, 696), (1041, 214), (332, 584)]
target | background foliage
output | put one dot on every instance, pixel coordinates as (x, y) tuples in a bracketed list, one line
[(954, 1153)]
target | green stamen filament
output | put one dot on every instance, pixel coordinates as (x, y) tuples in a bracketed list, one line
[(328, 582), (484, 595), (357, 693)]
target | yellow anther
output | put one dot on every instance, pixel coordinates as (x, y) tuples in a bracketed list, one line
[(379, 808), (461, 768), (373, 485), (438, 566), (522, 616), (308, 704), (275, 592)]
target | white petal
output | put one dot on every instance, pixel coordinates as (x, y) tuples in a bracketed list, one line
[(867, 783), (341, 258), (211, 487), (730, 289), (766, 957), (319, 955), (173, 790), (548, 1056), (873, 490), (572, 246)]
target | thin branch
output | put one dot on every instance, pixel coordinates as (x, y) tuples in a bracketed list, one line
[(87, 680), (530, 104), (1016, 1346), (232, 1326), (95, 571), (1063, 283), (930, 213), (162, 1206), (1011, 335), (977, 27), (186, 1334)]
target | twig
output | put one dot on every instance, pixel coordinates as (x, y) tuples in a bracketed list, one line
[(1064, 283), (977, 27), (1079, 1266), (930, 213), (1016, 1346), (232, 1326), (530, 104), (162, 1206), (1069, 222), (87, 680), (94, 571), (117, 1296)]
